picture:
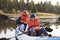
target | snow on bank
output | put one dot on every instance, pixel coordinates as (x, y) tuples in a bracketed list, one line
[(56, 30), (9, 34)]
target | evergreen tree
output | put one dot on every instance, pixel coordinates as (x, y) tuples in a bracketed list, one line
[(22, 5), (33, 7)]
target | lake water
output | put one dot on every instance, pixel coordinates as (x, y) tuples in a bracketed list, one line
[(9, 34)]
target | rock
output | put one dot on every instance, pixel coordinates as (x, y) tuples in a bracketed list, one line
[(6, 22), (3, 17), (59, 18), (58, 21)]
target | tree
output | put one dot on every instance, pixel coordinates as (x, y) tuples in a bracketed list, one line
[(39, 6), (1, 4), (57, 8), (28, 6), (27, 1), (34, 9), (22, 5)]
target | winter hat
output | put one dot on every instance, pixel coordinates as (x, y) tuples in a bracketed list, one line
[(32, 15)]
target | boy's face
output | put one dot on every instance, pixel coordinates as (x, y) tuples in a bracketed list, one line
[(33, 18)]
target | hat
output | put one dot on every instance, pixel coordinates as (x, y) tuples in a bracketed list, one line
[(32, 15)]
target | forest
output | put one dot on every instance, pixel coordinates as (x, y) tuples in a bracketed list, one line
[(7, 6)]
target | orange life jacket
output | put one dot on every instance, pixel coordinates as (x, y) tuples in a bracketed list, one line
[(33, 24), (24, 17)]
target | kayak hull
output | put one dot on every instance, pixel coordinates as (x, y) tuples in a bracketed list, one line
[(26, 37)]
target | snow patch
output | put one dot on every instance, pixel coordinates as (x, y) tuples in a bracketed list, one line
[(9, 34)]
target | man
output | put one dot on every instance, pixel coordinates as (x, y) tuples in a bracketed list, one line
[(23, 16), (34, 23)]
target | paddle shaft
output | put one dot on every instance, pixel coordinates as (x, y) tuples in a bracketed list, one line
[(15, 36)]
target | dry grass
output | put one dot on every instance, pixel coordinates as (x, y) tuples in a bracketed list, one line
[(39, 14), (47, 15), (1, 12)]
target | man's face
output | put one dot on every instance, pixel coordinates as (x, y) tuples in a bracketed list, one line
[(33, 18), (24, 12)]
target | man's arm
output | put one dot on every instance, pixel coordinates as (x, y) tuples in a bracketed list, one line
[(26, 28), (18, 20)]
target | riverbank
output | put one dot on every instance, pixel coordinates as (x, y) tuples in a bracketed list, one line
[(39, 15)]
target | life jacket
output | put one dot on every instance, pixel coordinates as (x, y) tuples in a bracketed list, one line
[(33, 24), (24, 17)]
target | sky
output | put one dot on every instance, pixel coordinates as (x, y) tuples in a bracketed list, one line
[(52, 1)]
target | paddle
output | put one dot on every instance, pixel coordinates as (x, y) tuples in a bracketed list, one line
[(15, 36)]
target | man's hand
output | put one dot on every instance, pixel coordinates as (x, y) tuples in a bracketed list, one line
[(41, 25), (25, 31)]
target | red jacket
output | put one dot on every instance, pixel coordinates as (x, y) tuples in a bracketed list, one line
[(33, 24), (24, 17)]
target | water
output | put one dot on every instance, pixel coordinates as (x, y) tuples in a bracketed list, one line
[(56, 30), (9, 34)]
